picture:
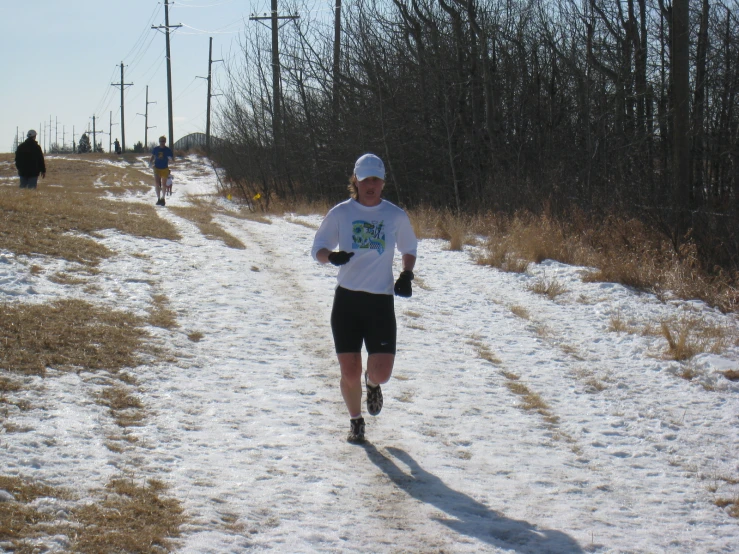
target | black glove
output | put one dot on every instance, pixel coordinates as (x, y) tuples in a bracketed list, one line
[(403, 284), (340, 257)]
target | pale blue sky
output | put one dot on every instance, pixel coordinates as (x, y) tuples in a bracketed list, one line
[(60, 58)]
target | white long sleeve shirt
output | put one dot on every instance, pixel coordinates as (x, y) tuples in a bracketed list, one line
[(372, 233)]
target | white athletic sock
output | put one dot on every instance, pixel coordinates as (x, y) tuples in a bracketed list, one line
[(356, 416), (370, 383)]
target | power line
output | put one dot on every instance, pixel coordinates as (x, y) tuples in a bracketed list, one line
[(183, 4), (219, 32), (144, 32)]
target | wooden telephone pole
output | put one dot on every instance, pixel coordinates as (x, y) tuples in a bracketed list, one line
[(166, 28), (276, 110), (207, 109), (123, 85), (146, 120)]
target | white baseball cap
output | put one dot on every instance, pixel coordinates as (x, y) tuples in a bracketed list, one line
[(369, 165), (31, 134)]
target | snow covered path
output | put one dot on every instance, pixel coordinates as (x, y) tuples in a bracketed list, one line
[(247, 425)]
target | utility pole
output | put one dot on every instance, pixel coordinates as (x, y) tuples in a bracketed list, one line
[(110, 138), (123, 85), (110, 133), (74, 144), (64, 134), (56, 132), (146, 119), (276, 110), (94, 141), (207, 110), (166, 28), (48, 147)]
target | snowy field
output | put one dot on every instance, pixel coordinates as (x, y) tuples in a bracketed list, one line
[(248, 428)]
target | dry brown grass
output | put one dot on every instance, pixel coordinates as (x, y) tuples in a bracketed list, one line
[(687, 337), (732, 505), (61, 221), (618, 324), (622, 251), (68, 335), (161, 315), (679, 345), (125, 408), (521, 312), (483, 351), (549, 287), (74, 335), (731, 374), (9, 385), (19, 520), (202, 216), (444, 224), (530, 401), (503, 257), (513, 242), (129, 518)]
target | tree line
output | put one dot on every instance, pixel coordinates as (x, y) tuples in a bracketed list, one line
[(626, 107)]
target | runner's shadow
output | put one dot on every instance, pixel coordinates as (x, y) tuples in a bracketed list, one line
[(466, 515)]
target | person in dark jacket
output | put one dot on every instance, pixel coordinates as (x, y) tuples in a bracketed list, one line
[(29, 160)]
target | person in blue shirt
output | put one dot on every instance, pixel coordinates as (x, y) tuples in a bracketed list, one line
[(160, 156)]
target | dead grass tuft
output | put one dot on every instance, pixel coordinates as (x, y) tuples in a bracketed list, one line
[(531, 401), (731, 504), (688, 337), (129, 518), (201, 214), (484, 352), (161, 315), (521, 312), (68, 335), (732, 374), (618, 323), (9, 385), (19, 520), (455, 229), (679, 347), (548, 287), (63, 278), (195, 336), (502, 256), (126, 409)]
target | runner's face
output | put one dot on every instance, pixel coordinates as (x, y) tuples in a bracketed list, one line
[(369, 191)]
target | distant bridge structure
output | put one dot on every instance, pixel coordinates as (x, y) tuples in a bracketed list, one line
[(195, 140)]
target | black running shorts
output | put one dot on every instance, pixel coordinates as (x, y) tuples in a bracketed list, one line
[(362, 316)]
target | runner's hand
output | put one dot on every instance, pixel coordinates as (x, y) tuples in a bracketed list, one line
[(403, 284), (340, 257)]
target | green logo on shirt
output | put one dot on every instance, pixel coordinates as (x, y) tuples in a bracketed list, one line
[(368, 234)]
